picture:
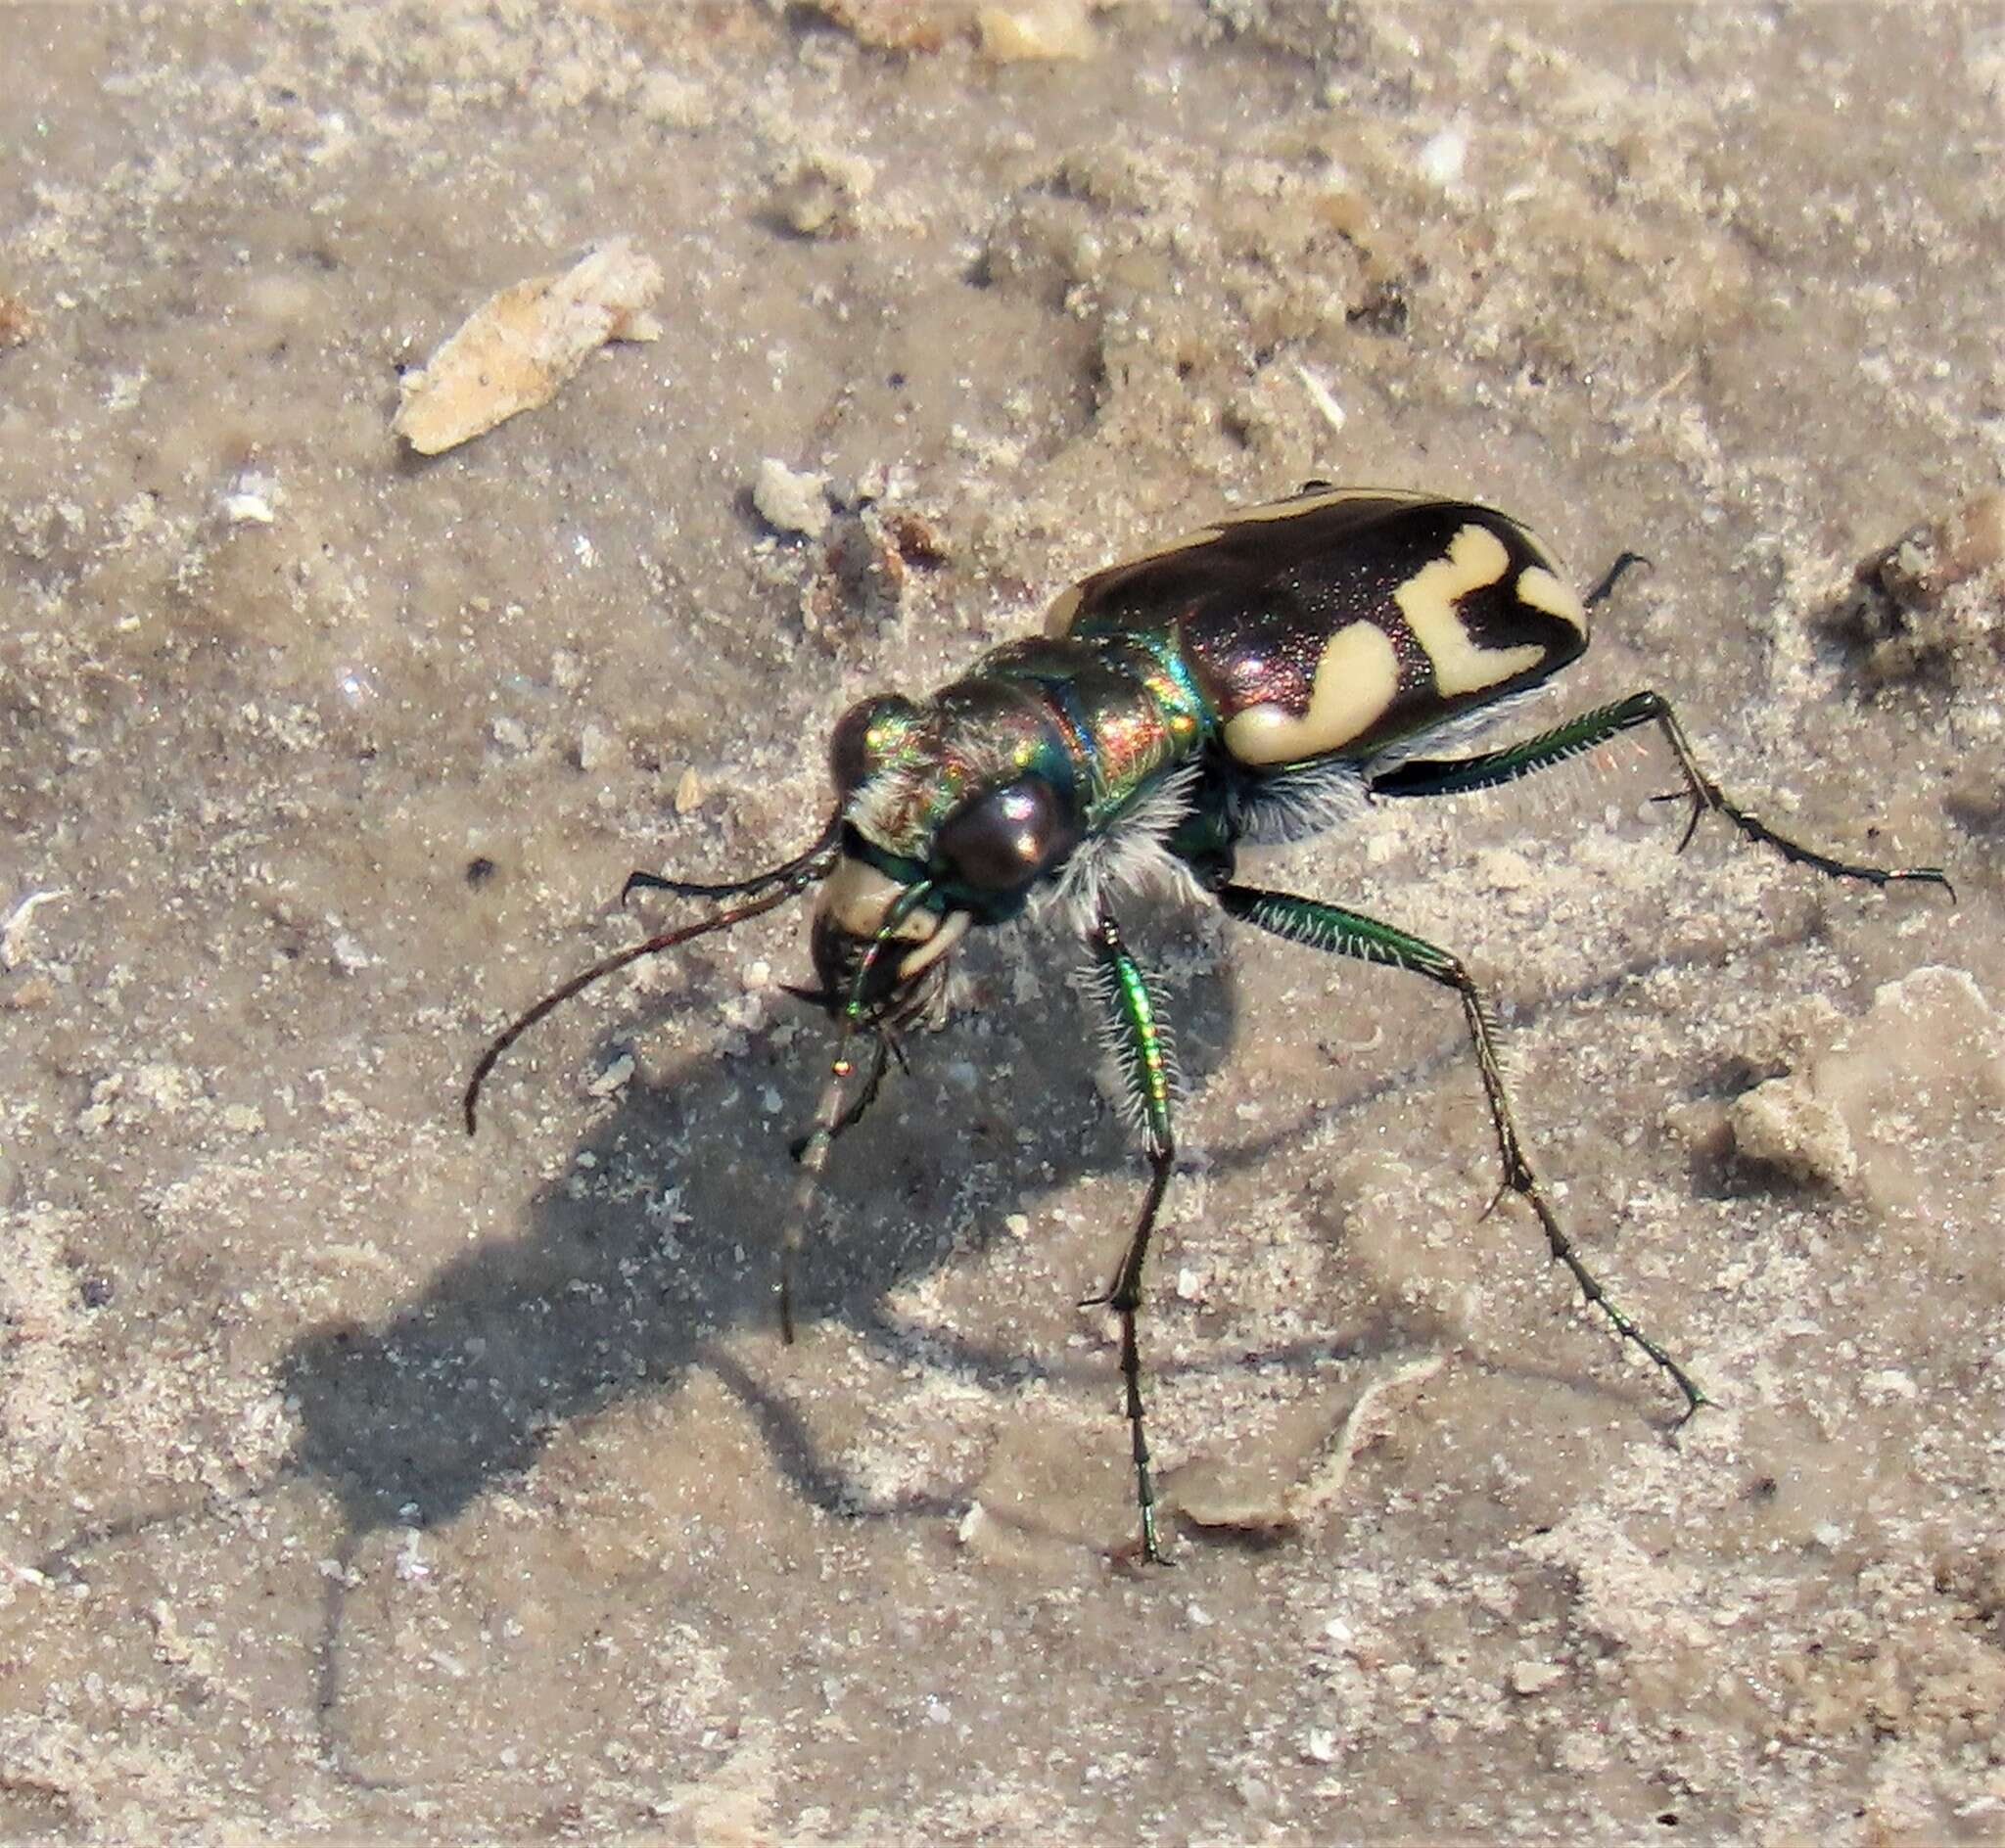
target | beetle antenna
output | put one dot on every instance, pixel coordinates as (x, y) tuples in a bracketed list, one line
[(774, 887), (830, 1118), (812, 860)]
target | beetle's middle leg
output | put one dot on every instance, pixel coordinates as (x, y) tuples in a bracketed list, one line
[(1137, 1037), (1331, 927)]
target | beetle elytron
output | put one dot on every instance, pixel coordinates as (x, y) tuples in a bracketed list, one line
[(1260, 680)]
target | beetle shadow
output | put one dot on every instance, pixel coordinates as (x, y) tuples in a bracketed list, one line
[(657, 1246), (660, 1240), (643, 1261)]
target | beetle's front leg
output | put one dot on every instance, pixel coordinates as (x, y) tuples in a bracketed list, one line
[(1138, 1041), (883, 1048)]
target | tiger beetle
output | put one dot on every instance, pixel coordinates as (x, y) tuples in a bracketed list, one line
[(1262, 680)]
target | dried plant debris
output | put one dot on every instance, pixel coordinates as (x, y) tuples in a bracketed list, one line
[(14, 932), (17, 324), (1266, 1491), (515, 351), (1931, 606)]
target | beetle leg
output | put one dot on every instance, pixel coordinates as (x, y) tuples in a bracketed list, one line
[(1331, 927), (1605, 585), (1705, 795), (1452, 777), (882, 1047), (1456, 776), (1137, 1038)]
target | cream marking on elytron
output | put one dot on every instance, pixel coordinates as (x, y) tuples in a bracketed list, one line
[(1357, 680), (1477, 558), (1539, 589)]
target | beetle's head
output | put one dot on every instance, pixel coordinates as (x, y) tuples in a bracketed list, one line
[(931, 836), (929, 850), (905, 983)]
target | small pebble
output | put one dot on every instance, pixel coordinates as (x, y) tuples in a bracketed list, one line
[(1534, 1678), (790, 500), (618, 1073)]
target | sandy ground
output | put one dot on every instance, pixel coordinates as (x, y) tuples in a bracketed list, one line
[(364, 1483)]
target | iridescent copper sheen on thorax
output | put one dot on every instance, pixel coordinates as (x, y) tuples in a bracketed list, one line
[(1099, 719)]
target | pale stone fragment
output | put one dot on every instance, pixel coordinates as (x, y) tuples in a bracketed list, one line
[(791, 500), (517, 347), (1035, 30)]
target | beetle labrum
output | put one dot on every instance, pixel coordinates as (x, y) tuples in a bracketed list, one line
[(1262, 680)]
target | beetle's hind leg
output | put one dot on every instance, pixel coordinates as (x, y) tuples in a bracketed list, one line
[(1331, 927), (1451, 776)]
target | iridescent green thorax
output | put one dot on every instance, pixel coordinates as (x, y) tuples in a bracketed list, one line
[(1098, 718), (1125, 705)]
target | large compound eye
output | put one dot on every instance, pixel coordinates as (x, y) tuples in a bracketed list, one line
[(863, 739), (1007, 837)]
